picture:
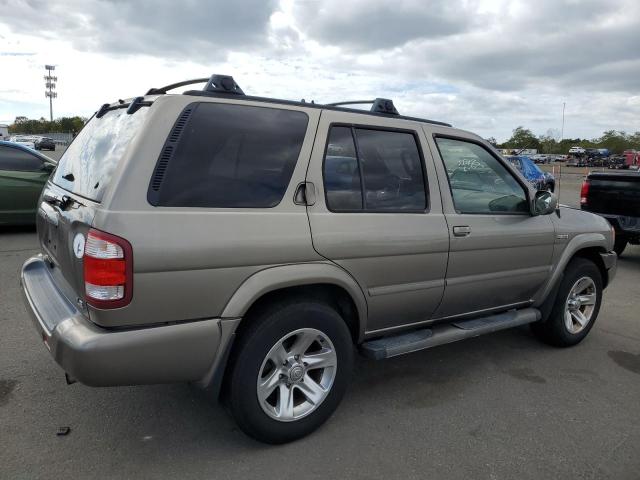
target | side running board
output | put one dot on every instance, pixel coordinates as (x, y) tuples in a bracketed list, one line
[(415, 340)]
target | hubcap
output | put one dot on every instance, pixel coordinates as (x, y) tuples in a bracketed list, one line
[(580, 305), (296, 375)]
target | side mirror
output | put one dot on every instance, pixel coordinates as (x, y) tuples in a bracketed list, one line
[(544, 203)]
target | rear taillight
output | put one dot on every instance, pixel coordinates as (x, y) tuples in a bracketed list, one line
[(108, 270), (584, 192)]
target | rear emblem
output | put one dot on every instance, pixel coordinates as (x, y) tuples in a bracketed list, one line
[(78, 245)]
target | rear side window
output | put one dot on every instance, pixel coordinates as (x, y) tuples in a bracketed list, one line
[(231, 156), (373, 170), (14, 159), (88, 164)]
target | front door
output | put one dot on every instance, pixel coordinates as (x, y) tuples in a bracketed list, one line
[(500, 254), (378, 214)]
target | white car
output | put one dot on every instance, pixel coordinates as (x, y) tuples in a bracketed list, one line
[(576, 150), (26, 141)]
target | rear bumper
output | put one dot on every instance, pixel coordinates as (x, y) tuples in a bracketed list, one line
[(610, 261), (99, 357)]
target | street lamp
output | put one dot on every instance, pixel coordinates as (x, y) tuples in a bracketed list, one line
[(50, 84)]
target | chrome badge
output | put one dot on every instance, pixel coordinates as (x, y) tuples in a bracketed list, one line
[(78, 245)]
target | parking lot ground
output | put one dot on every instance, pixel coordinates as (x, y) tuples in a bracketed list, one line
[(502, 406)]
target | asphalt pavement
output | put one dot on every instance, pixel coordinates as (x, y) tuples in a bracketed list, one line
[(502, 406)]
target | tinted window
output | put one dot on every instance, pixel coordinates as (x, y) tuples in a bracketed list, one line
[(88, 164), (392, 170), (341, 172), (479, 182), (390, 165), (14, 159), (234, 156)]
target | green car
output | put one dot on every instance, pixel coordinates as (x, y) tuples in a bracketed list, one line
[(23, 173)]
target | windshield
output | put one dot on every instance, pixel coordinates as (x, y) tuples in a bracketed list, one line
[(88, 164)]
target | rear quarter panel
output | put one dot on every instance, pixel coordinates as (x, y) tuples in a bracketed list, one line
[(188, 262)]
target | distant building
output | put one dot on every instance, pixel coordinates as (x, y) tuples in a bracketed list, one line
[(4, 132)]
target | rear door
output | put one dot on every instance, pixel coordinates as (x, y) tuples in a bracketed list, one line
[(22, 176), (378, 214), (500, 254)]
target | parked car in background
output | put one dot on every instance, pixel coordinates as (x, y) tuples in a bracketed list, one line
[(632, 158), (23, 173), (535, 176), (45, 143), (577, 161), (617, 162), (615, 196), (28, 142), (541, 158), (560, 158), (576, 150)]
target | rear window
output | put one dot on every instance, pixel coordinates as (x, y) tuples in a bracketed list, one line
[(88, 164), (231, 156)]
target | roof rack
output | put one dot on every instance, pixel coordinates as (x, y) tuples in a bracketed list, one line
[(165, 89), (215, 83), (223, 85), (378, 105)]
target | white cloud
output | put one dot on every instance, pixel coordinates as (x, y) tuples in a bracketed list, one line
[(483, 65)]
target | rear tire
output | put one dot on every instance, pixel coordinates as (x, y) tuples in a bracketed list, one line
[(280, 390), (576, 306), (620, 244)]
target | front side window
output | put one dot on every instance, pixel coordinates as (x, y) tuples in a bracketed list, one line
[(373, 170), (479, 182), (232, 156), (15, 159)]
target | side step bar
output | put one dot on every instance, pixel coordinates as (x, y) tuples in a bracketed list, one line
[(415, 340)]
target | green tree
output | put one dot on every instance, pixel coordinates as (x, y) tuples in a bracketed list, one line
[(522, 138)]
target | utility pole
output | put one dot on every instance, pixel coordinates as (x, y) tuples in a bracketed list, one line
[(562, 131), (50, 83)]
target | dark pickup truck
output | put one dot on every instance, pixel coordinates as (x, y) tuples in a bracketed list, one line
[(615, 196)]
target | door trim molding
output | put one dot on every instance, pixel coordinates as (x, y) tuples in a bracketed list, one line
[(405, 287)]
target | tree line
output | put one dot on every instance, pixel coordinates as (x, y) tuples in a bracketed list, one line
[(59, 125), (613, 140)]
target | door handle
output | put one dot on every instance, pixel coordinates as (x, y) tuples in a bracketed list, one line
[(461, 231)]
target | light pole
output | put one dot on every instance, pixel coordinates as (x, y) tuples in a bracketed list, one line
[(562, 131), (50, 83)]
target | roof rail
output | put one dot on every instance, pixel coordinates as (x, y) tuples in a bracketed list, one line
[(378, 105), (165, 89)]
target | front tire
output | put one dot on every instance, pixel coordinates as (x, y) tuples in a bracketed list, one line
[(291, 368), (576, 306)]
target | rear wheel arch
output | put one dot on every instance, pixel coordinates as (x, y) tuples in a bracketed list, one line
[(321, 281), (336, 297)]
